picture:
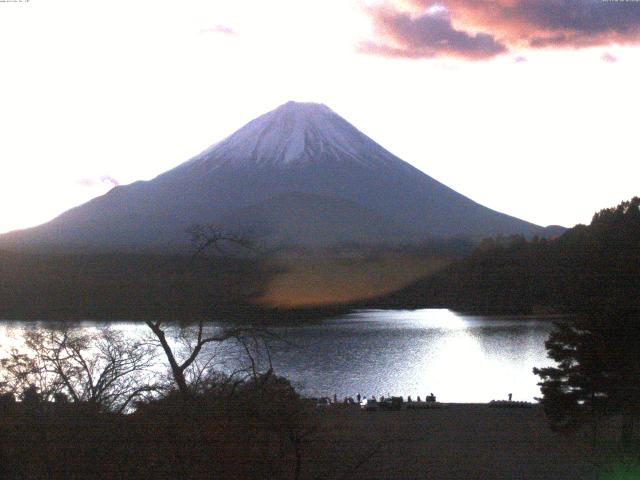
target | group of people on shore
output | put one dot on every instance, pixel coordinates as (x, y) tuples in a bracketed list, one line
[(360, 398)]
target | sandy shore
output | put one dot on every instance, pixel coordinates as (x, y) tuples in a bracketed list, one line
[(460, 441)]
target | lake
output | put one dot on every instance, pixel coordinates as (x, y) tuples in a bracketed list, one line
[(459, 358)]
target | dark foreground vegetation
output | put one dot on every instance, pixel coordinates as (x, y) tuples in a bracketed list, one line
[(81, 404), (77, 405), (268, 433), (258, 431)]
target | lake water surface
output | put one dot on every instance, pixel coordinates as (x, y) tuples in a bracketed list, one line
[(460, 358)]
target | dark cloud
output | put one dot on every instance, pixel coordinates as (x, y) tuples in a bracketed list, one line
[(101, 180), (426, 36), (520, 59), (549, 23), (219, 29), (608, 57), (485, 28)]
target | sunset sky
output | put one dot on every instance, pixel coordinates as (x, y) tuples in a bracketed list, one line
[(528, 107)]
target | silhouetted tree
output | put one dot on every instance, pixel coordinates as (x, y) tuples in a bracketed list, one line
[(190, 367), (104, 367), (597, 372), (598, 365), (185, 357)]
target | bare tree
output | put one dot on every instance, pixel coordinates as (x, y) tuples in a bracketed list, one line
[(190, 369), (103, 367), (187, 366), (210, 236)]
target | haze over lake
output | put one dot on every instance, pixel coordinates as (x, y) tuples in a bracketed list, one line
[(460, 358)]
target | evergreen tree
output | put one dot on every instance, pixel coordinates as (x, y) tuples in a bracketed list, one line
[(598, 365), (597, 371)]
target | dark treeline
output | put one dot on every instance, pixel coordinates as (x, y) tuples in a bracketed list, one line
[(587, 267), (126, 285), (453, 247), (141, 286)]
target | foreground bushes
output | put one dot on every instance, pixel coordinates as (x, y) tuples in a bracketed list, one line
[(258, 432)]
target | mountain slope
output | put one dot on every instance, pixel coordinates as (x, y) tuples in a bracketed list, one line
[(314, 220), (298, 148)]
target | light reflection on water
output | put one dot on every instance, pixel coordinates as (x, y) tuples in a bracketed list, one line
[(460, 358)]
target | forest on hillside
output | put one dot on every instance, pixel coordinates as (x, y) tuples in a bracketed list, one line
[(212, 284), (125, 285), (588, 267)]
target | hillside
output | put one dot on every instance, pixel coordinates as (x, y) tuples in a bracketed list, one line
[(587, 266)]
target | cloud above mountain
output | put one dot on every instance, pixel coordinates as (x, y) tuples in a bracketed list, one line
[(426, 36), (220, 29), (99, 180), (478, 29)]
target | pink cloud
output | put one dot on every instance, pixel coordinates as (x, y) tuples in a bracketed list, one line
[(549, 23), (481, 29), (426, 36)]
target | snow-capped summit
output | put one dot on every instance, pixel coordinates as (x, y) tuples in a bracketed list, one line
[(299, 174), (293, 133)]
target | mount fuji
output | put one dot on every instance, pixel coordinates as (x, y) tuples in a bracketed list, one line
[(298, 175)]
